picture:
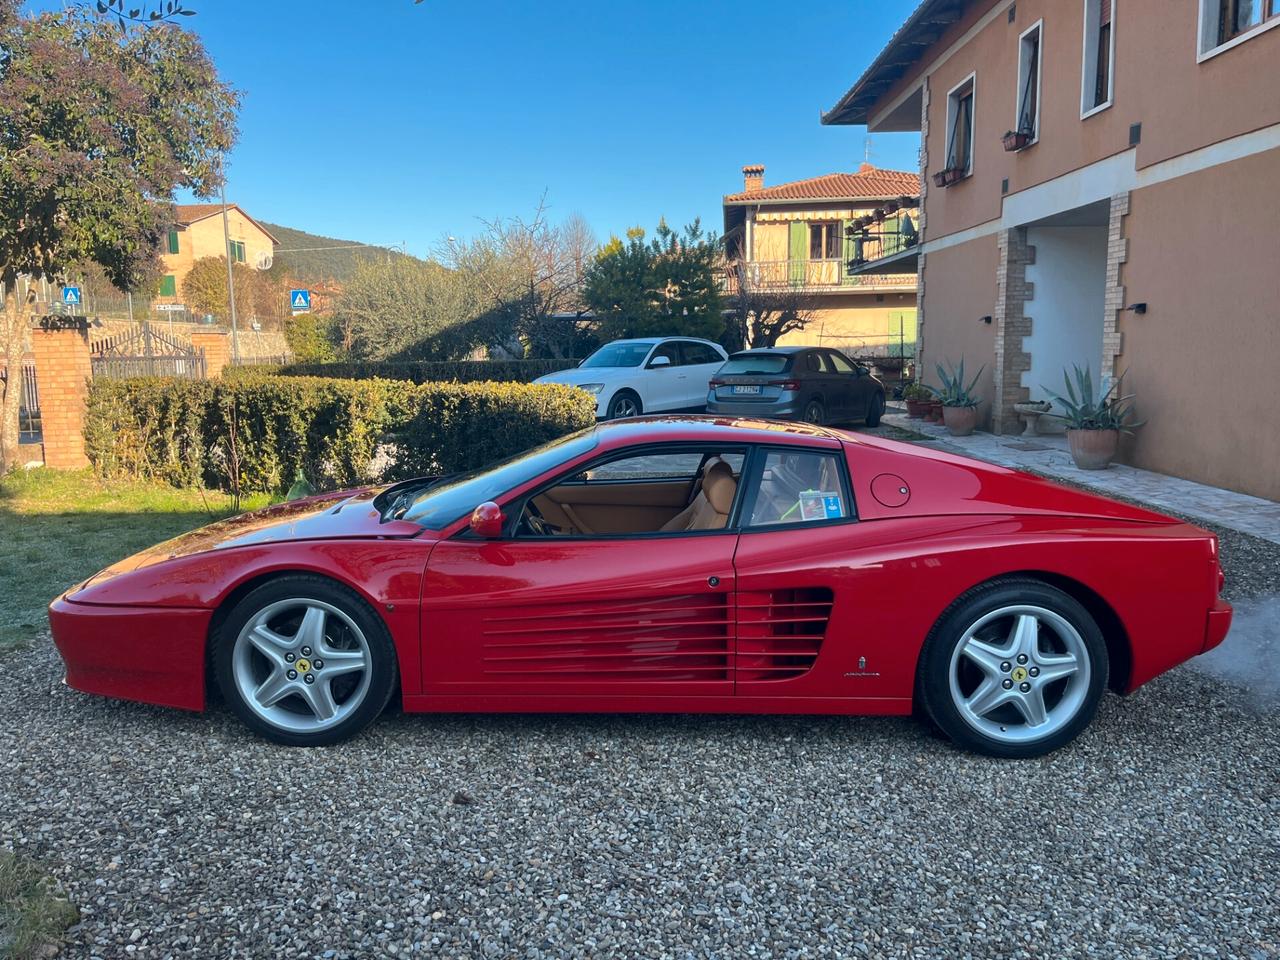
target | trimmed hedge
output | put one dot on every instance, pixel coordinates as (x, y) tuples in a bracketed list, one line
[(338, 432), (418, 371)]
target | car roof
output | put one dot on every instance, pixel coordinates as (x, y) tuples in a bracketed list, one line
[(658, 340), (692, 427), (755, 351)]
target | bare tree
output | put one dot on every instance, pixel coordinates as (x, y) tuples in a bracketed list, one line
[(764, 312)]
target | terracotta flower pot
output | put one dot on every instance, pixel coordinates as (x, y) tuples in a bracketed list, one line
[(933, 413), (960, 421), (916, 408), (1093, 449)]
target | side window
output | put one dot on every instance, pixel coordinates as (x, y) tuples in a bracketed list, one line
[(813, 363), (839, 363), (800, 486), (670, 350), (696, 354)]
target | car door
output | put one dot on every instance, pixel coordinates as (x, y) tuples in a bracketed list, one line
[(663, 387), (581, 619), (701, 361), (814, 620), (845, 374)]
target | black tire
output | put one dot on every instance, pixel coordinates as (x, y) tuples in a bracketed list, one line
[(381, 660), (619, 403), (875, 411), (814, 412), (934, 673)]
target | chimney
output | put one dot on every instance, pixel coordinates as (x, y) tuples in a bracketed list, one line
[(753, 177), (866, 167)]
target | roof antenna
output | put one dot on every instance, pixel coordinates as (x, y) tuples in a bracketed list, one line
[(866, 150)]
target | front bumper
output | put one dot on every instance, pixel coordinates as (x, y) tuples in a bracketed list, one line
[(149, 654), (771, 410)]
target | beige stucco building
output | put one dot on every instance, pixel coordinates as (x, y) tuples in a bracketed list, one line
[(1099, 189), (199, 233), (801, 236)]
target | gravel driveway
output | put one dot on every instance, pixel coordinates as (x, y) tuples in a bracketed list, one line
[(1155, 835)]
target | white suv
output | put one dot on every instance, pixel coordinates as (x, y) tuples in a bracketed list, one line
[(647, 375)]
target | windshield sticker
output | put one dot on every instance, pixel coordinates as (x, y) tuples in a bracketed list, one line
[(821, 505)]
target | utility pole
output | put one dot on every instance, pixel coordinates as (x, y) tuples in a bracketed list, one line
[(231, 283)]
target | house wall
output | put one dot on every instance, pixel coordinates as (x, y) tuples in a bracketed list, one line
[(1068, 281), (961, 290), (860, 325), (1203, 359), (1182, 104), (204, 238)]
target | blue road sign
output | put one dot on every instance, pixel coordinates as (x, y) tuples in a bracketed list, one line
[(71, 296), (300, 300)]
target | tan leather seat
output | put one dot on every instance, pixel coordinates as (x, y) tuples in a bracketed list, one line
[(710, 508)]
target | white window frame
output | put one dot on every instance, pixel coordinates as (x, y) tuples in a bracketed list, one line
[(953, 110), (1207, 46), (1037, 27), (1089, 60)]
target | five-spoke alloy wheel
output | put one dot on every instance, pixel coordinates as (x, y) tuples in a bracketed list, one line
[(1014, 669), (305, 661)]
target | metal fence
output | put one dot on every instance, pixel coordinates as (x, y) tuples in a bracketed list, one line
[(117, 368), (28, 404)]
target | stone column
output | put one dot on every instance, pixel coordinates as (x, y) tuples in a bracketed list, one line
[(63, 372), (1013, 325), (217, 350), (1117, 254)]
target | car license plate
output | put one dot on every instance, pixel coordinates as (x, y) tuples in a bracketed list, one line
[(743, 388)]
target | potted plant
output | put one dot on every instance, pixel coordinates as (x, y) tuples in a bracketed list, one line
[(959, 402), (947, 176), (1015, 140), (917, 396), (1094, 424)]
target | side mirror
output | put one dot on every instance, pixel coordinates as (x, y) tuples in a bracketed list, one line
[(659, 362), (487, 520)]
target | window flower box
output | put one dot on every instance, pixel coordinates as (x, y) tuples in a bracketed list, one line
[(948, 176), (1015, 140)]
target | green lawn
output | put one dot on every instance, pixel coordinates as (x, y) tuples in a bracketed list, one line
[(58, 527), (33, 913)]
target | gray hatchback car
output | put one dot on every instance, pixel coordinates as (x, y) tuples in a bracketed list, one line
[(813, 384)]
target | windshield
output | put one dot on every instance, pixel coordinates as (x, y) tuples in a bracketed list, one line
[(748, 363), (619, 355), (438, 506)]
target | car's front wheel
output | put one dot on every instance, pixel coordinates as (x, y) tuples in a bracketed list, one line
[(304, 661), (1014, 668), (625, 403), (875, 411)]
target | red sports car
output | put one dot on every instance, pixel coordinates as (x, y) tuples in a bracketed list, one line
[(673, 564)]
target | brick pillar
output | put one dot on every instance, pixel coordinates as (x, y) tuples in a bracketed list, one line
[(1113, 303), (217, 351), (63, 372), (1013, 326)]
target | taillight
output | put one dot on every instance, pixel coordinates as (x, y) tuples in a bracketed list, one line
[(785, 384), (715, 383)]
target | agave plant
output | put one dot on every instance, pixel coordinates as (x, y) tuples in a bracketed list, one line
[(1109, 410), (953, 392)]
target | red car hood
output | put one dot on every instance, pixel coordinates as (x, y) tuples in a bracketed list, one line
[(344, 515)]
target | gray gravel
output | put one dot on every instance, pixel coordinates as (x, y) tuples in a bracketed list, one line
[(1157, 834)]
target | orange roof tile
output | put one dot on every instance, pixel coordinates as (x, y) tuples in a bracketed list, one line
[(869, 182), (188, 213)]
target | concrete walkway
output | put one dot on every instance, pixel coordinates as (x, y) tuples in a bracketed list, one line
[(1049, 455)]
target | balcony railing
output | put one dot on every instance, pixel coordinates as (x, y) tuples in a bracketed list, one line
[(810, 275)]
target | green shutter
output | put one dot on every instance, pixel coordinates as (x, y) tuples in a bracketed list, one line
[(173, 241), (798, 250), (168, 286), (852, 247)]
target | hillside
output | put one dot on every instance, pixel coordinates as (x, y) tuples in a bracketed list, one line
[(310, 256)]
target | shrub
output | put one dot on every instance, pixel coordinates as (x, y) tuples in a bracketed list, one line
[(430, 371), (255, 432), (308, 338)]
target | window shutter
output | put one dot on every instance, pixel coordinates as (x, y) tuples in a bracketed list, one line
[(1104, 12), (168, 286), (798, 250), (173, 241)]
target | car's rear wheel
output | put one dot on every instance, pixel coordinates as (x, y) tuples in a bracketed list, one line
[(815, 413), (1014, 668), (304, 661), (625, 403), (875, 411)]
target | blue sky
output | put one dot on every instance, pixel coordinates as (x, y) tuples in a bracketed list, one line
[(387, 121)]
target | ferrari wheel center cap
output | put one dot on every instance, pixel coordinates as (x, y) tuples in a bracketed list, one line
[(304, 665), (1019, 674)]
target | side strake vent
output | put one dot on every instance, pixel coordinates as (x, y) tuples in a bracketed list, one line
[(687, 638), (780, 632)]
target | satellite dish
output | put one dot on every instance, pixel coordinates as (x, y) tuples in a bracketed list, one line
[(263, 260)]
